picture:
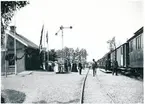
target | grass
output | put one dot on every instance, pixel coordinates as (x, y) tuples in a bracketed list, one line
[(13, 96)]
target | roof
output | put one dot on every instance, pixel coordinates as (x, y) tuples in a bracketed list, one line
[(23, 40), (138, 32)]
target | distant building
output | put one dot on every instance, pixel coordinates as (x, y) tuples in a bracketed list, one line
[(26, 52)]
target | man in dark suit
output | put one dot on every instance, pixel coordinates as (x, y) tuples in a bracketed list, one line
[(80, 68), (94, 66), (115, 67)]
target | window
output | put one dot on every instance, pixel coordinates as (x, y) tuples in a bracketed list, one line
[(131, 46), (141, 37), (121, 49), (138, 42)]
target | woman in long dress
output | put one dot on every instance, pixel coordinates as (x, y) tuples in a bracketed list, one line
[(74, 67), (56, 68)]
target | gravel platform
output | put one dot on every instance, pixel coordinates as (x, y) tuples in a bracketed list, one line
[(47, 87), (105, 88)]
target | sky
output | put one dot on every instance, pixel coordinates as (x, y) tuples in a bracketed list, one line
[(94, 22)]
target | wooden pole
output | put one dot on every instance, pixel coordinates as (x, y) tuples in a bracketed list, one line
[(15, 52), (15, 46), (5, 56), (47, 50)]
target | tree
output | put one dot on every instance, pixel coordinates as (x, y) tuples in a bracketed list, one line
[(72, 55), (112, 45), (7, 12), (52, 55)]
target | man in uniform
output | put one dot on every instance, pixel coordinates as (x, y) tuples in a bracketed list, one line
[(94, 66), (115, 67)]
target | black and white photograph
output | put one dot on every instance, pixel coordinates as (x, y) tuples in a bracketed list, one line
[(72, 51)]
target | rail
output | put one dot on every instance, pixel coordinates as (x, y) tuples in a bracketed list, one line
[(83, 87)]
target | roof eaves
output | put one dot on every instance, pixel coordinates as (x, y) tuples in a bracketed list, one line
[(16, 38)]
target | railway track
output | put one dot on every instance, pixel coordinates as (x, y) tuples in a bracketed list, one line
[(82, 88), (103, 90)]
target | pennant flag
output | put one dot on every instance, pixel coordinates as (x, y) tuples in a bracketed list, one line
[(40, 46), (47, 37)]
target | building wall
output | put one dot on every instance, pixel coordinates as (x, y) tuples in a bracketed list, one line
[(10, 50), (3, 62), (21, 62)]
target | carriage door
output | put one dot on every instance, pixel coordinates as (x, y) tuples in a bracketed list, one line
[(121, 56), (124, 55)]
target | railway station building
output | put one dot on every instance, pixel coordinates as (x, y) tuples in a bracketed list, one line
[(26, 53)]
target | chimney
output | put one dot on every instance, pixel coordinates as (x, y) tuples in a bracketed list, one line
[(13, 29)]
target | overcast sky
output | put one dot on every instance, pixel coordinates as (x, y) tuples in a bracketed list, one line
[(93, 21)]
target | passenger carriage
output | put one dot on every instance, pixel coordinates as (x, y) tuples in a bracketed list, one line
[(136, 51), (129, 55)]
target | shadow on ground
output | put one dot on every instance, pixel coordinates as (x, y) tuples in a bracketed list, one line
[(71, 101), (135, 76), (12, 96)]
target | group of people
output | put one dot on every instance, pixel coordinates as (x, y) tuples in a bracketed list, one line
[(114, 66), (68, 67), (107, 67), (77, 67)]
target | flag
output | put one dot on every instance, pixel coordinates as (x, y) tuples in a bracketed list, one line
[(40, 46), (47, 37)]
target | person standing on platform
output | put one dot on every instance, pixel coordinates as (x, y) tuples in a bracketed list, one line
[(106, 64), (115, 67), (69, 66), (80, 68), (56, 67), (94, 66), (74, 67), (66, 66)]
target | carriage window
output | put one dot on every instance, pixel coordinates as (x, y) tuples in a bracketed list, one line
[(121, 50), (139, 41), (131, 46), (136, 43)]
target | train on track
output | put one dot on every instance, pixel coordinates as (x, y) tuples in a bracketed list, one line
[(129, 55)]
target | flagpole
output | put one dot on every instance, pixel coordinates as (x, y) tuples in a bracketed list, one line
[(47, 49), (15, 50), (5, 55), (44, 53), (5, 50)]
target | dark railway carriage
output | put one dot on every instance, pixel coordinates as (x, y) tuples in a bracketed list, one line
[(102, 62), (129, 55), (122, 56), (112, 57), (136, 51)]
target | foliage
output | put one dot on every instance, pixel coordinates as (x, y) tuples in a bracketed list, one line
[(52, 55), (13, 96), (73, 55), (112, 44), (9, 7), (7, 12)]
